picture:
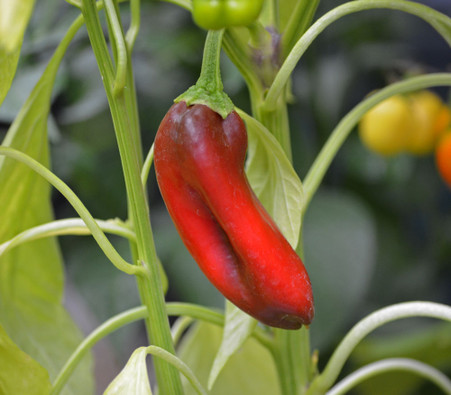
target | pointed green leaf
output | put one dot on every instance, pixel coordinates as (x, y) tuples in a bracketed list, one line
[(251, 371), (20, 374), (14, 17), (133, 378), (274, 180), (31, 275), (238, 327)]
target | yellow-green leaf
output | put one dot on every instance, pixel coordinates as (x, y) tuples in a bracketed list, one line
[(31, 276), (133, 378), (14, 17), (20, 374)]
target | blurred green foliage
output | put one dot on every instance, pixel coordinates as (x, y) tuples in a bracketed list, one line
[(385, 224)]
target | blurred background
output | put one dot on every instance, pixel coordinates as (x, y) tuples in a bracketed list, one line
[(377, 233)]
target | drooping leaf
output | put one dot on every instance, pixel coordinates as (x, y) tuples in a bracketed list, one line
[(20, 374), (14, 17), (31, 276), (133, 377), (340, 252), (251, 371), (274, 180), (237, 329)]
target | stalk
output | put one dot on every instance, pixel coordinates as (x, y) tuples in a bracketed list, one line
[(150, 287)]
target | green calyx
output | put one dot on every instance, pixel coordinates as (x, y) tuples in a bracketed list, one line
[(217, 101), (208, 89)]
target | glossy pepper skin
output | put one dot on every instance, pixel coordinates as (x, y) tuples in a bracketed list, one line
[(199, 163), (219, 14)]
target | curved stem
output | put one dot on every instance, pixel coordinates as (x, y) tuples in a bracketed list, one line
[(179, 327), (135, 23), (121, 47), (180, 365), (208, 89), (347, 124), (76, 203), (210, 74), (304, 42), (147, 165), (236, 51), (299, 21), (138, 313), (366, 326), (69, 226), (390, 364)]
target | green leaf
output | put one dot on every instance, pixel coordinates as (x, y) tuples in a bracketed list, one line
[(274, 180), (340, 253), (251, 371), (238, 327), (133, 378), (31, 276), (14, 17), (20, 374)]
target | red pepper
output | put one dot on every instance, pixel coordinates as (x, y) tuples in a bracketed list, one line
[(199, 163)]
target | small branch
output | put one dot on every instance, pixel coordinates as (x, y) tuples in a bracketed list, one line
[(147, 165), (121, 48), (70, 226), (135, 23), (180, 365), (383, 316), (139, 313), (77, 204), (390, 364), (88, 342), (435, 18)]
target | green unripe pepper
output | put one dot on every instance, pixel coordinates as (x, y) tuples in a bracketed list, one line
[(220, 14)]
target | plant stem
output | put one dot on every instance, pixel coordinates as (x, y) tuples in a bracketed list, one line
[(180, 365), (150, 287), (291, 352), (389, 365), (276, 121), (138, 313), (300, 20), (402, 310), (88, 342), (103, 242), (68, 226), (438, 20), (208, 89)]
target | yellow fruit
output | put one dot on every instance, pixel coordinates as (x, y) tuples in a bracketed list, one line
[(387, 126), (429, 121)]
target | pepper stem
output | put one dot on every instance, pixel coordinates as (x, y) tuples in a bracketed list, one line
[(208, 89)]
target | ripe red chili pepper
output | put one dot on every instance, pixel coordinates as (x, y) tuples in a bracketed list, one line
[(199, 163)]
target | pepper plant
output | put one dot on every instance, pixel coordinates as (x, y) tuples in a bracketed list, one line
[(227, 179)]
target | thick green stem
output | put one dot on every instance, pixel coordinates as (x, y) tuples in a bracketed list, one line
[(277, 122), (291, 354), (150, 287)]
